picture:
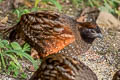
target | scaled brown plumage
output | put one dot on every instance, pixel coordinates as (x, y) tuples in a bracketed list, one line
[(66, 65), (116, 75), (51, 32), (54, 32), (62, 67)]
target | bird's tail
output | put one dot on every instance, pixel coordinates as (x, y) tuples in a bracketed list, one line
[(8, 31), (13, 33)]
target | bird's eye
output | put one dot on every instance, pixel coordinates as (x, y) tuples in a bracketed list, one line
[(93, 31), (90, 20)]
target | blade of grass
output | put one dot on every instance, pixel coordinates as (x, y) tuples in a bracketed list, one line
[(30, 59), (36, 2), (2, 60), (14, 58), (26, 47), (91, 3), (16, 46), (56, 3)]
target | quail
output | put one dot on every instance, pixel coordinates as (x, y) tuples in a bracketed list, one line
[(62, 67), (51, 32)]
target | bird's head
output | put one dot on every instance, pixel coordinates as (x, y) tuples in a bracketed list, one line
[(90, 31)]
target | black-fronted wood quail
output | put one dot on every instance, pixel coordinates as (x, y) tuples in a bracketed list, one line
[(50, 32), (62, 67)]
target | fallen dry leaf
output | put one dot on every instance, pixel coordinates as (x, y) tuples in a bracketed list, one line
[(34, 53), (23, 2), (4, 20), (1, 12)]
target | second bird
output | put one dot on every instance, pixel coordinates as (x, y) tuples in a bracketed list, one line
[(53, 33)]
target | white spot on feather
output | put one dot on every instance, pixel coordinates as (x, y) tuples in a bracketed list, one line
[(66, 35), (58, 29)]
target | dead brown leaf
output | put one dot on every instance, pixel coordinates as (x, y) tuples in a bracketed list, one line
[(4, 20)]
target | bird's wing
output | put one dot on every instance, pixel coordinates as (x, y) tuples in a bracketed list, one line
[(57, 67), (46, 31), (61, 67)]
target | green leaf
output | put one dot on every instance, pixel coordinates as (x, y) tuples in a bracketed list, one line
[(16, 73), (30, 59), (14, 69), (17, 52), (6, 44), (9, 57), (1, 45), (91, 3), (117, 1), (25, 11), (1, 0), (14, 58), (18, 13), (2, 60), (34, 9), (117, 11), (56, 3), (23, 75), (26, 47), (36, 2), (16, 46)]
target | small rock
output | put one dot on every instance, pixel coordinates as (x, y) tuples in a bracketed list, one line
[(107, 20)]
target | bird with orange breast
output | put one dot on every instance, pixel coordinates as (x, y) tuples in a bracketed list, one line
[(51, 32), (59, 40)]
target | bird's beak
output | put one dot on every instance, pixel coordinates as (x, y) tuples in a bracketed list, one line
[(99, 35)]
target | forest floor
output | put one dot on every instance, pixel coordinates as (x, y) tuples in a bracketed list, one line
[(103, 57)]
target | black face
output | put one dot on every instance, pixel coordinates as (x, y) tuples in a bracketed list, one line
[(89, 34)]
